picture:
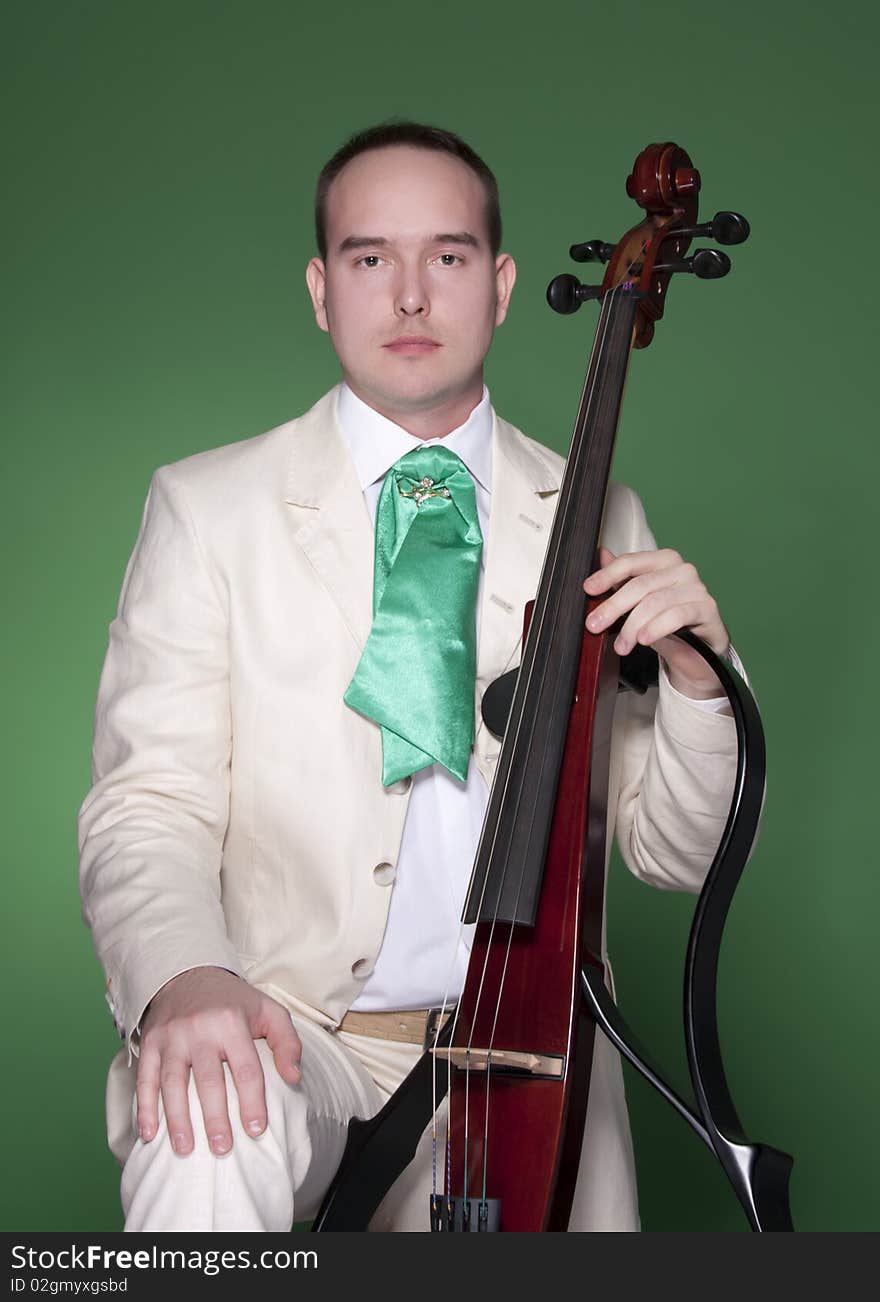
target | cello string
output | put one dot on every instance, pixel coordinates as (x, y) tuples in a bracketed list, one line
[(598, 344), (457, 1013), (536, 624), (543, 615), (583, 414), (501, 985), (535, 630), (459, 941), (580, 424)]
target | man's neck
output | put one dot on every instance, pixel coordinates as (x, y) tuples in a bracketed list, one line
[(430, 423)]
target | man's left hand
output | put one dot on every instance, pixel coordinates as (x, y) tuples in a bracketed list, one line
[(656, 593)]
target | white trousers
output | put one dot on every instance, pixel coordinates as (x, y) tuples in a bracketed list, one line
[(264, 1184)]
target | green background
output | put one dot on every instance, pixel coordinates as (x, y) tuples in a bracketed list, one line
[(158, 219)]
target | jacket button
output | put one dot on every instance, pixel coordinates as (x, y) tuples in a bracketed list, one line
[(384, 874), (362, 968)]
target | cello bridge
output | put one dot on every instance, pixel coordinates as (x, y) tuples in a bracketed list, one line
[(508, 1061)]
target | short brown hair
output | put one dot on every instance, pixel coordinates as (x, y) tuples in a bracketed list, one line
[(393, 132)]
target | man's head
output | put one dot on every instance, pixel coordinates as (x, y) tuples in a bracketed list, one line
[(409, 228)]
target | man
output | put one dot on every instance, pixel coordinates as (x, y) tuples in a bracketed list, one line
[(269, 911)]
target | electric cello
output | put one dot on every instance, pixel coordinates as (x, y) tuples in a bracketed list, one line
[(515, 1055)]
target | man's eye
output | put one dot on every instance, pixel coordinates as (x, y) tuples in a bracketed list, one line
[(370, 259), (453, 258)]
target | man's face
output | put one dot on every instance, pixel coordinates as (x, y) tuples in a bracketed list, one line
[(408, 257)]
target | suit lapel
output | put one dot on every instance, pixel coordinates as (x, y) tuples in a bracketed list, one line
[(330, 517), (524, 493)]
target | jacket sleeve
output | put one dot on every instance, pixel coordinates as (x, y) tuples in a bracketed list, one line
[(151, 828), (678, 765)]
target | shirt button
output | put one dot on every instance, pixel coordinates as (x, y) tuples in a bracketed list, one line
[(384, 874), (362, 968), (400, 788)]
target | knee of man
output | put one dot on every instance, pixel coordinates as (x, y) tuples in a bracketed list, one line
[(164, 1190)]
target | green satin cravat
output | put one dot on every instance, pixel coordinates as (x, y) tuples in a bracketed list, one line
[(416, 675)]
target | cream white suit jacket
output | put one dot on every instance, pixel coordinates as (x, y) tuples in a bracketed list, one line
[(237, 815)]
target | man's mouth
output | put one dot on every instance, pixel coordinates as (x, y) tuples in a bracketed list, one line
[(412, 344)]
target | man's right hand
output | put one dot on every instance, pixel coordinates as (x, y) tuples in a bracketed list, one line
[(197, 1020)]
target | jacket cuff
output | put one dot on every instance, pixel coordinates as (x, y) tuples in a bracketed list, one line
[(688, 723)]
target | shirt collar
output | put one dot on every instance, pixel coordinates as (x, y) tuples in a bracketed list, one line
[(375, 442)]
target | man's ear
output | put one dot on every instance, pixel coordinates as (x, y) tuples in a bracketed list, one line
[(505, 279), (316, 279)]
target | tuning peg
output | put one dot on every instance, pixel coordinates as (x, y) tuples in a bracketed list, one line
[(592, 251), (565, 293), (709, 264), (730, 228), (724, 228), (706, 264)]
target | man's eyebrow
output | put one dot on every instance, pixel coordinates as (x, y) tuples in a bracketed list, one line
[(457, 237), (359, 242), (378, 241)]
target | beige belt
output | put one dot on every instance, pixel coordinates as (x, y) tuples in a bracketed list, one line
[(411, 1026)]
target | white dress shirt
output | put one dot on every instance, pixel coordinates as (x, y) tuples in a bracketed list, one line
[(425, 949), (420, 952)]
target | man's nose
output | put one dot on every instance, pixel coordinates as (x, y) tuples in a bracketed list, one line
[(412, 295)]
